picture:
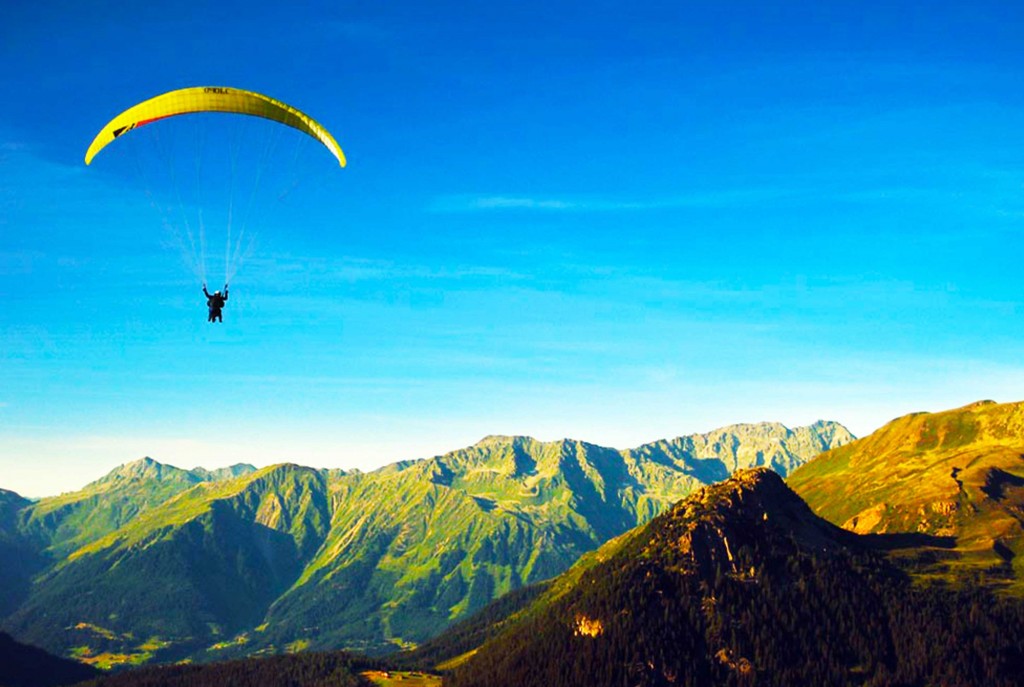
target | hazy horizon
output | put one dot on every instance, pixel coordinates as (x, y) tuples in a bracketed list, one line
[(182, 459), (365, 466)]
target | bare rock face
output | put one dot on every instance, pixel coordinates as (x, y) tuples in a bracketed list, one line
[(715, 455), (754, 507)]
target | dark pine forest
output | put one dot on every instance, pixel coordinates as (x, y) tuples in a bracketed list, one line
[(787, 601)]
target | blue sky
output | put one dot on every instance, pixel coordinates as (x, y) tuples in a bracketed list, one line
[(610, 221)]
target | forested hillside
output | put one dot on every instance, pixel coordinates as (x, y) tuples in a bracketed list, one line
[(741, 584)]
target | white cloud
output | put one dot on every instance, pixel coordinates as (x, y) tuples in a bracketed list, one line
[(698, 199)]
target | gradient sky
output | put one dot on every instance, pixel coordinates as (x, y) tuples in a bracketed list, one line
[(612, 221)]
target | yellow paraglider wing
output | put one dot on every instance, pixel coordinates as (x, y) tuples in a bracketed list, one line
[(211, 99)]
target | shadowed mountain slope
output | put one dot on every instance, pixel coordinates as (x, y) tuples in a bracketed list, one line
[(19, 557), (26, 666)]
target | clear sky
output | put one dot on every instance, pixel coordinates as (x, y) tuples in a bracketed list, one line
[(612, 221)]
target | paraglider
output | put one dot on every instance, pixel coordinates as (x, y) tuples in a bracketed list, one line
[(190, 235), (215, 302)]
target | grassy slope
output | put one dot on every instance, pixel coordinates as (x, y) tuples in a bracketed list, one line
[(307, 669), (443, 538), (62, 524), (391, 678), (207, 562), (446, 536), (957, 476)]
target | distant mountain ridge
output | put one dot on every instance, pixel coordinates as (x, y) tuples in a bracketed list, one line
[(147, 468), (61, 524), (219, 564)]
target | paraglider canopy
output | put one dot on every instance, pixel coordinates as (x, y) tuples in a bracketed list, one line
[(211, 99), (207, 192)]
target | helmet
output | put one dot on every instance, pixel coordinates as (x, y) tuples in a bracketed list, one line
[(216, 293)]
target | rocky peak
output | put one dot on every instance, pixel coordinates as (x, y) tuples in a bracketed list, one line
[(504, 440), (229, 472), (831, 433), (143, 469), (752, 492), (148, 469), (725, 525)]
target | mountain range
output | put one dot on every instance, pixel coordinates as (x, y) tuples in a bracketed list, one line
[(888, 560), (153, 562), (745, 582)]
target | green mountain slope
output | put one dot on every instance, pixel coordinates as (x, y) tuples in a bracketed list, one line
[(446, 536), (741, 584), (209, 561), (462, 640), (291, 558), (449, 534), (955, 476), (62, 524)]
